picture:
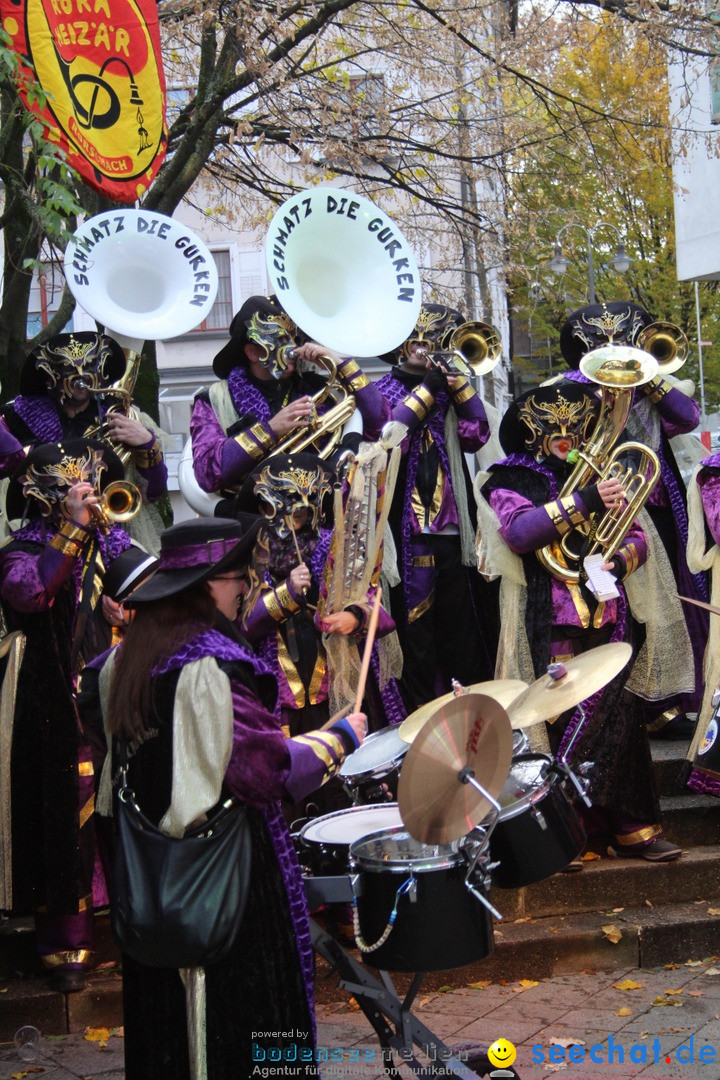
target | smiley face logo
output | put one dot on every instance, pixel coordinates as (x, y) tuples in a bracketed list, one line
[(502, 1053)]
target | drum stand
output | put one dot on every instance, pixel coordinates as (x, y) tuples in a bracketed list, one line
[(393, 1021)]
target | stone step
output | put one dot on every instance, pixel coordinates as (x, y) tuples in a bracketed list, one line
[(691, 820), (530, 948), (607, 883), (668, 759)]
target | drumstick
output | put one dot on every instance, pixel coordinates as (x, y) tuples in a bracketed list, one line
[(372, 627), (297, 546), (334, 719)]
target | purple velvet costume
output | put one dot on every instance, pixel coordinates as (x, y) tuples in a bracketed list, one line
[(52, 774), (41, 417), (568, 620), (272, 961), (436, 607), (221, 461)]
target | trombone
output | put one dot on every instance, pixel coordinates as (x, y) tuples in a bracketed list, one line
[(472, 349)]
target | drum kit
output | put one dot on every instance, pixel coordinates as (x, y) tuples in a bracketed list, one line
[(475, 807)]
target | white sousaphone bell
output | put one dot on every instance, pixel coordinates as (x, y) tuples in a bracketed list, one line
[(345, 274), (143, 275)]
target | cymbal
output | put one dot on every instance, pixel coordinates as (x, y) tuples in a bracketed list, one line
[(587, 673), (501, 690), (469, 732)]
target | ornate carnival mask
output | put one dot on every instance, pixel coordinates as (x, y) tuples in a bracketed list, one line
[(289, 486), (48, 481), (559, 417), (69, 359), (275, 335)]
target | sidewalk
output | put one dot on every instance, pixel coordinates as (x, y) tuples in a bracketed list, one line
[(672, 1008)]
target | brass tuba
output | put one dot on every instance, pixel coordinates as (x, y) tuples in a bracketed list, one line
[(472, 349), (617, 369)]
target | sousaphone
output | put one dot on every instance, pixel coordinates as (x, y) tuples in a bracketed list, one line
[(345, 274)]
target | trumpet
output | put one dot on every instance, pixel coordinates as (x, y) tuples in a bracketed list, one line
[(473, 349), (119, 502)]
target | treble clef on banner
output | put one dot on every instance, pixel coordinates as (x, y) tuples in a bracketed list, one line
[(89, 117)]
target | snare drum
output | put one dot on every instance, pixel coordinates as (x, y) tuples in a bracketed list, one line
[(439, 923), (380, 756), (326, 840), (539, 831)]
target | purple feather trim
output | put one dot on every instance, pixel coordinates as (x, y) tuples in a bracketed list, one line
[(211, 643)]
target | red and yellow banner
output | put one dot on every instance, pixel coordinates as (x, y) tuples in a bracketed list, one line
[(99, 63)]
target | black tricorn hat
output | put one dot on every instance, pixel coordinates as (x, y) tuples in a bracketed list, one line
[(195, 551), (619, 322), (97, 347), (247, 501), (47, 455), (232, 354), (566, 399), (127, 572)]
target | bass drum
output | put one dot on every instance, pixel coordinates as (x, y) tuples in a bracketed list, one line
[(539, 832), (202, 502), (439, 923)]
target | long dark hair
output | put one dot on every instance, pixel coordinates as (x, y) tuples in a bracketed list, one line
[(158, 630)]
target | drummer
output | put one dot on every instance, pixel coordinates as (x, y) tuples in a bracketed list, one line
[(522, 511), (280, 616)]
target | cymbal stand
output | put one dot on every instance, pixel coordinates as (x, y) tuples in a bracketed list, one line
[(392, 1019), (562, 765), (467, 776)]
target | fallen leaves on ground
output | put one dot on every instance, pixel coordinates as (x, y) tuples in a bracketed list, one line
[(649, 903), (482, 985), (673, 991), (99, 1035), (444, 989), (671, 967), (693, 963), (590, 856), (612, 933), (26, 1072), (712, 971), (625, 1011), (696, 993), (713, 911), (525, 983), (667, 1002), (628, 984)]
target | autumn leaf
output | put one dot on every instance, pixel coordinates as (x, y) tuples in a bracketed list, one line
[(444, 989), (483, 985), (625, 1011), (712, 971), (713, 911), (612, 933), (671, 967), (696, 993), (628, 984), (693, 963), (589, 856), (99, 1035), (673, 991), (525, 983)]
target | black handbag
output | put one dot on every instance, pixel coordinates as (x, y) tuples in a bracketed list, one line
[(178, 902)]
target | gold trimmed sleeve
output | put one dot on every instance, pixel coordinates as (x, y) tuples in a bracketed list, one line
[(657, 388), (70, 539), (255, 442), (554, 512), (285, 598), (150, 457), (353, 376), (630, 557), (463, 393), (575, 515), (327, 747)]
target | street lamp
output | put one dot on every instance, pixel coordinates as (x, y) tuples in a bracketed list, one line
[(620, 260)]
